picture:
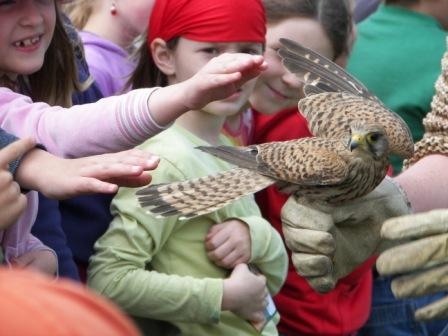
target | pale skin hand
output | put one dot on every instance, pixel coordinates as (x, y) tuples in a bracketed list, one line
[(245, 294), (228, 244), (12, 201), (64, 178), (219, 78), (43, 261)]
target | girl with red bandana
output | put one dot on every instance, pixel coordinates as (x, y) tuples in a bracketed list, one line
[(157, 269)]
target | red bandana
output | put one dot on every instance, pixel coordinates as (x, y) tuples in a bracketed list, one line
[(208, 20)]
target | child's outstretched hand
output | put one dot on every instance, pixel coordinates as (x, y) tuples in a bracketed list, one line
[(228, 243), (12, 201), (221, 77), (64, 178), (245, 294)]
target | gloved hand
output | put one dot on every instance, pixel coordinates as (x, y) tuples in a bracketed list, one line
[(426, 257), (328, 242)]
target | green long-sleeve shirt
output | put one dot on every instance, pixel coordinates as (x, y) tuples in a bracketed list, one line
[(397, 56), (158, 268)]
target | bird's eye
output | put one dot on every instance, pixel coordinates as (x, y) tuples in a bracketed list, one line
[(373, 137)]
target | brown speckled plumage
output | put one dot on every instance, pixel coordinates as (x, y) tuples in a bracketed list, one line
[(347, 158)]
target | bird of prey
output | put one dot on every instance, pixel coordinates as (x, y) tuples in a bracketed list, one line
[(354, 133)]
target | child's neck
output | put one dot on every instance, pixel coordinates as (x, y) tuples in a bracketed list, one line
[(107, 29), (204, 125)]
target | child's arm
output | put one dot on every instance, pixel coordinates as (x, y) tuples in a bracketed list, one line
[(121, 122), (64, 178)]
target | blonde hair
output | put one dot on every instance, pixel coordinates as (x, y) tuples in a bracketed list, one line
[(79, 12)]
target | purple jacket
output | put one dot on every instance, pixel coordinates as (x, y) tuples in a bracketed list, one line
[(109, 64)]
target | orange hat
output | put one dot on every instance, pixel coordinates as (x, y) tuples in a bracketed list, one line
[(33, 304)]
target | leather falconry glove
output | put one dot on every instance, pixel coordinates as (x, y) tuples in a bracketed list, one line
[(330, 241), (422, 261)]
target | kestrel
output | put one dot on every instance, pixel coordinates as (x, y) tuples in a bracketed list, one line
[(347, 158)]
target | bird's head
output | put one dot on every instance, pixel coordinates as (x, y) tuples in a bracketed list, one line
[(369, 139)]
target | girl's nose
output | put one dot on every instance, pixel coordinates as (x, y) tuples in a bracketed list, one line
[(31, 14)]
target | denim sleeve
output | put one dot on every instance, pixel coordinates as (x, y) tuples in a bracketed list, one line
[(6, 139)]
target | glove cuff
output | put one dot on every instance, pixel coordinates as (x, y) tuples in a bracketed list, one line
[(400, 191)]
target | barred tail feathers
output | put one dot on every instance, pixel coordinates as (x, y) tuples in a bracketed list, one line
[(316, 70), (201, 195)]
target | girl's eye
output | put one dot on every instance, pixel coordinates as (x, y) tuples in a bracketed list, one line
[(211, 50), (251, 51)]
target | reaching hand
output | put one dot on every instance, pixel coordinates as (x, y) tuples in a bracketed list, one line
[(12, 201), (64, 178), (423, 261), (328, 242), (221, 77), (228, 244)]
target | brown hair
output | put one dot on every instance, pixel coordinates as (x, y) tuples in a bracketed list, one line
[(333, 15), (146, 73)]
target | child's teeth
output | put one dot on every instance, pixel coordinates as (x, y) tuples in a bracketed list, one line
[(27, 42)]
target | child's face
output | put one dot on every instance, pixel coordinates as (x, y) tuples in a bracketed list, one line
[(190, 56), (276, 88), (26, 30)]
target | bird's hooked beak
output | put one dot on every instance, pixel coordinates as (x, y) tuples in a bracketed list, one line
[(356, 141)]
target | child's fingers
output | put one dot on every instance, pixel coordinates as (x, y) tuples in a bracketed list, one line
[(134, 157), (89, 185), (220, 251), (15, 150), (235, 62), (93, 186), (216, 239), (112, 170), (132, 181)]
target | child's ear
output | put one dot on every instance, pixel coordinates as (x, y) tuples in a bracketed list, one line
[(163, 56)]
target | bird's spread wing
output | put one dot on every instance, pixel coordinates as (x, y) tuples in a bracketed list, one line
[(335, 99), (307, 161), (319, 72), (243, 157), (201, 195)]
